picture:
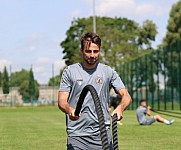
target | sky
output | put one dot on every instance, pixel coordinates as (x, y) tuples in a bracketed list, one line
[(31, 30)]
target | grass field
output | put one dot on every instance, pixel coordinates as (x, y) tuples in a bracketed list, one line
[(43, 128)]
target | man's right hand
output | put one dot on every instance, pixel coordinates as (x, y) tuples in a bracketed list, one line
[(148, 107), (72, 114), (65, 107)]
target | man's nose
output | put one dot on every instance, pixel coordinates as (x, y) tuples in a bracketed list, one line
[(92, 54)]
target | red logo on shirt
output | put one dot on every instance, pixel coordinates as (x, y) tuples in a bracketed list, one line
[(99, 80)]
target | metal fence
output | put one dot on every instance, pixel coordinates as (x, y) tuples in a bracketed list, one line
[(155, 77)]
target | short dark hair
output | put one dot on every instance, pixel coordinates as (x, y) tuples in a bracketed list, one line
[(89, 38), (142, 100)]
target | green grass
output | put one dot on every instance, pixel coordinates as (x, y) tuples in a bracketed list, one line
[(43, 128)]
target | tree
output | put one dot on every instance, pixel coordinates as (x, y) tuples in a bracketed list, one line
[(147, 34), (24, 91), (5, 81), (28, 87), (122, 39), (55, 81), (31, 85), (174, 25), (173, 35), (18, 77)]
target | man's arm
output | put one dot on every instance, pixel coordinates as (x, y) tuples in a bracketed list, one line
[(125, 102), (148, 111), (64, 106)]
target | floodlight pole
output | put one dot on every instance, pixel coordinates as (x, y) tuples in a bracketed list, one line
[(53, 84), (10, 84), (94, 17)]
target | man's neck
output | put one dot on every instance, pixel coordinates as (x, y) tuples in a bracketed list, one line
[(88, 66)]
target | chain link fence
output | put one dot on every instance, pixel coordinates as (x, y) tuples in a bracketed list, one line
[(155, 77)]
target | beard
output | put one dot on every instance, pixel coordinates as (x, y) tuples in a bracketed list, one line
[(91, 60)]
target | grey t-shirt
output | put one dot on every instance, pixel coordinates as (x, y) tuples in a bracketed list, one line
[(141, 112), (74, 78)]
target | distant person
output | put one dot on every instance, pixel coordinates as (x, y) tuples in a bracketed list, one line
[(115, 100), (143, 110)]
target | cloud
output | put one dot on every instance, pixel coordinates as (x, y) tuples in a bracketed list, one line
[(44, 70), (75, 14), (38, 69), (126, 8), (88, 1), (59, 64), (113, 7), (32, 48), (55, 41), (41, 73), (150, 9), (35, 37), (43, 60), (3, 63)]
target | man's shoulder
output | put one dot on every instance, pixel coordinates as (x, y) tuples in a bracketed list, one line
[(104, 66), (73, 66), (141, 108)]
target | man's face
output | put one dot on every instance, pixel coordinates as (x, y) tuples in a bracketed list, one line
[(143, 104), (91, 55)]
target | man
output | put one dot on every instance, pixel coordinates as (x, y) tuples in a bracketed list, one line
[(143, 110), (83, 130)]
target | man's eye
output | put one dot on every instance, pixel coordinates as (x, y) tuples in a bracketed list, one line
[(92, 51), (96, 51), (88, 51)]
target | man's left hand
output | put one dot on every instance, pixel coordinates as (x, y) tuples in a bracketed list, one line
[(119, 113)]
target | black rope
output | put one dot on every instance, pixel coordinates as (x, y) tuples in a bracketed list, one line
[(102, 126), (99, 111), (115, 132)]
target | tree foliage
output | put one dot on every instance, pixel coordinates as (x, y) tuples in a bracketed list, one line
[(33, 92), (122, 39), (174, 25), (18, 77), (55, 81), (28, 87), (173, 35), (5, 83), (24, 91)]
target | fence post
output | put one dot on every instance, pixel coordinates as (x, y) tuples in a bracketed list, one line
[(179, 68), (10, 85), (172, 98), (127, 77), (165, 85), (53, 80), (146, 74), (158, 86), (142, 71), (136, 64), (131, 83), (152, 82)]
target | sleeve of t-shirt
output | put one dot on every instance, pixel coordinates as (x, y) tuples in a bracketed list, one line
[(116, 81), (65, 83)]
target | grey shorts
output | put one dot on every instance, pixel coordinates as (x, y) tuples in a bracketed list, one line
[(92, 142), (149, 121)]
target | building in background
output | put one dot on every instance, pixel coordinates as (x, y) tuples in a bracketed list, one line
[(47, 95)]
